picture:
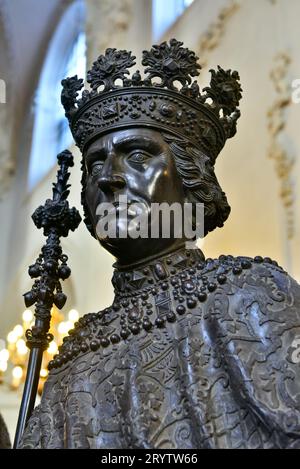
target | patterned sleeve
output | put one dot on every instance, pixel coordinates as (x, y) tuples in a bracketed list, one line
[(265, 350), (31, 438), (4, 436)]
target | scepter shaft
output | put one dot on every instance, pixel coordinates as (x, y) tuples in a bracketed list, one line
[(29, 392)]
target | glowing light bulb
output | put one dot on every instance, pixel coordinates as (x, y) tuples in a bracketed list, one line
[(12, 337), (73, 315), (3, 366), (18, 330), (64, 327), (52, 349), (17, 372), (4, 355), (20, 343), (21, 347), (27, 315), (69, 326), (43, 373)]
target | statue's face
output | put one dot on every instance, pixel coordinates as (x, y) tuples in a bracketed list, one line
[(138, 164)]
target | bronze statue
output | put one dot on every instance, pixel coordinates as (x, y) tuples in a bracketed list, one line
[(194, 352), (4, 436)]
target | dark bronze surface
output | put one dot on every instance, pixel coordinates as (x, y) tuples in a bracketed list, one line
[(183, 110), (138, 164), (193, 353), (204, 357), (4, 436)]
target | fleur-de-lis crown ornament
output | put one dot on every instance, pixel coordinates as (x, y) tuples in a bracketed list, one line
[(166, 98)]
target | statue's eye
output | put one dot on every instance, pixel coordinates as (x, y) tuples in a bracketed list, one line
[(96, 169), (139, 157)]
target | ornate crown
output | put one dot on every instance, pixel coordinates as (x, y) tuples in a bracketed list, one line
[(205, 118)]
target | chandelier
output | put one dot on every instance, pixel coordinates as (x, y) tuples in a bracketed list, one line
[(14, 352)]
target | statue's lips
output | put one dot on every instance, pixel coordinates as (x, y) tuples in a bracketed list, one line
[(133, 208), (117, 218)]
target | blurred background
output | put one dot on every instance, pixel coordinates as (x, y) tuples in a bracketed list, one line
[(42, 42)]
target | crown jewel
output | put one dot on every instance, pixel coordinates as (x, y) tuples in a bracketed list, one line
[(166, 98)]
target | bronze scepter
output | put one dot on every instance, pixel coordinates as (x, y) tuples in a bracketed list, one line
[(56, 219)]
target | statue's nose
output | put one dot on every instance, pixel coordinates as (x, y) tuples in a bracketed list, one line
[(111, 179), (111, 183)]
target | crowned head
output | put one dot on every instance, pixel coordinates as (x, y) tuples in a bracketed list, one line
[(188, 127)]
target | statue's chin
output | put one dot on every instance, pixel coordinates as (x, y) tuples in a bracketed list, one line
[(125, 230), (129, 243), (129, 251)]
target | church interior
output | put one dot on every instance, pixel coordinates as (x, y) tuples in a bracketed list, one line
[(43, 42)]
